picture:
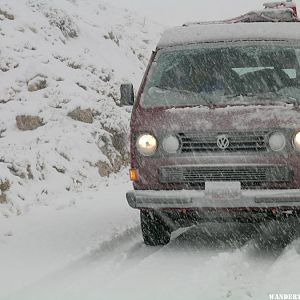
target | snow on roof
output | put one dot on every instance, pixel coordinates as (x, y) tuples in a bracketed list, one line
[(216, 32), (279, 4)]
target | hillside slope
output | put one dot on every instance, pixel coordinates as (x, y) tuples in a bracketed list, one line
[(61, 64)]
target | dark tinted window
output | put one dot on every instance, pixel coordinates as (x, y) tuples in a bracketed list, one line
[(223, 74)]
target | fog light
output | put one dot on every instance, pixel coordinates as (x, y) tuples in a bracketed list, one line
[(296, 141), (133, 174), (277, 141), (171, 144)]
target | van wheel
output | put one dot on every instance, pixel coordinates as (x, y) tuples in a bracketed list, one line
[(155, 230)]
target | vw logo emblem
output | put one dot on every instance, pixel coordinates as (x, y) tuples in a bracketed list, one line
[(223, 142)]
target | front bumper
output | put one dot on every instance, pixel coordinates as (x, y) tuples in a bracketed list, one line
[(192, 199)]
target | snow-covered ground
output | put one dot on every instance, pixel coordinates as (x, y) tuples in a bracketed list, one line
[(93, 249), (48, 238), (66, 231)]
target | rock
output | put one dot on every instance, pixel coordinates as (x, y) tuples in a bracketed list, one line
[(104, 168), (115, 147), (82, 115), (120, 142), (37, 83), (3, 199), (29, 122), (4, 187)]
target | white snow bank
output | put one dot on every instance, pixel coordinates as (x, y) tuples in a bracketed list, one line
[(56, 56)]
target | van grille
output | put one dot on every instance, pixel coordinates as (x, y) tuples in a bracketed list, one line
[(243, 174), (238, 141)]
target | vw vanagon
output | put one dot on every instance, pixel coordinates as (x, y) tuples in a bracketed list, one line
[(215, 126)]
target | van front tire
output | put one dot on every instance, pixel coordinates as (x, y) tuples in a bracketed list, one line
[(155, 230)]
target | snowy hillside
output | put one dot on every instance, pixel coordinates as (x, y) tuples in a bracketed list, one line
[(61, 64)]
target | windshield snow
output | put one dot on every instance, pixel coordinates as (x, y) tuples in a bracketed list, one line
[(230, 74)]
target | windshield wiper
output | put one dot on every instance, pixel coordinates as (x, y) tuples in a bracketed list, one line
[(291, 94), (269, 96), (199, 96), (294, 101)]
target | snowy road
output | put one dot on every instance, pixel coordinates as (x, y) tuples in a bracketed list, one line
[(94, 250)]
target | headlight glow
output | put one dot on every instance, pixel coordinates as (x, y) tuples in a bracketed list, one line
[(296, 141), (277, 141), (146, 144)]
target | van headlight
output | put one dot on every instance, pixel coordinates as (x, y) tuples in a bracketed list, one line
[(277, 141), (296, 141), (146, 144), (171, 144)]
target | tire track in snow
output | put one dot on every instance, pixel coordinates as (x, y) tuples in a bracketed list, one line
[(232, 259), (185, 256), (231, 263), (242, 272)]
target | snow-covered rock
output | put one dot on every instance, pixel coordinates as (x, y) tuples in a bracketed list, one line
[(57, 56)]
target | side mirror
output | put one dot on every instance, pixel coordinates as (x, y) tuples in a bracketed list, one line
[(127, 94)]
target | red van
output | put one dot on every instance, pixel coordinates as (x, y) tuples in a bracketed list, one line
[(215, 127)]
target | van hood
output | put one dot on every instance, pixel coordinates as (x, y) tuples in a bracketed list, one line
[(226, 118)]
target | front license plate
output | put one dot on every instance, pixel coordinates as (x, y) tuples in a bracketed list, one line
[(219, 191)]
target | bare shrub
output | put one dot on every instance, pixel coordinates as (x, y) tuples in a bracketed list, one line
[(6, 14), (63, 22), (7, 64), (74, 65), (111, 36)]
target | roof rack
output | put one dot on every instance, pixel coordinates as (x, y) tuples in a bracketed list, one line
[(287, 4), (284, 11)]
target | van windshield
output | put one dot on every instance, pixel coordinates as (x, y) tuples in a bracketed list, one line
[(230, 74)]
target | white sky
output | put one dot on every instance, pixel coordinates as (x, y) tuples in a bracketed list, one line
[(177, 12)]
